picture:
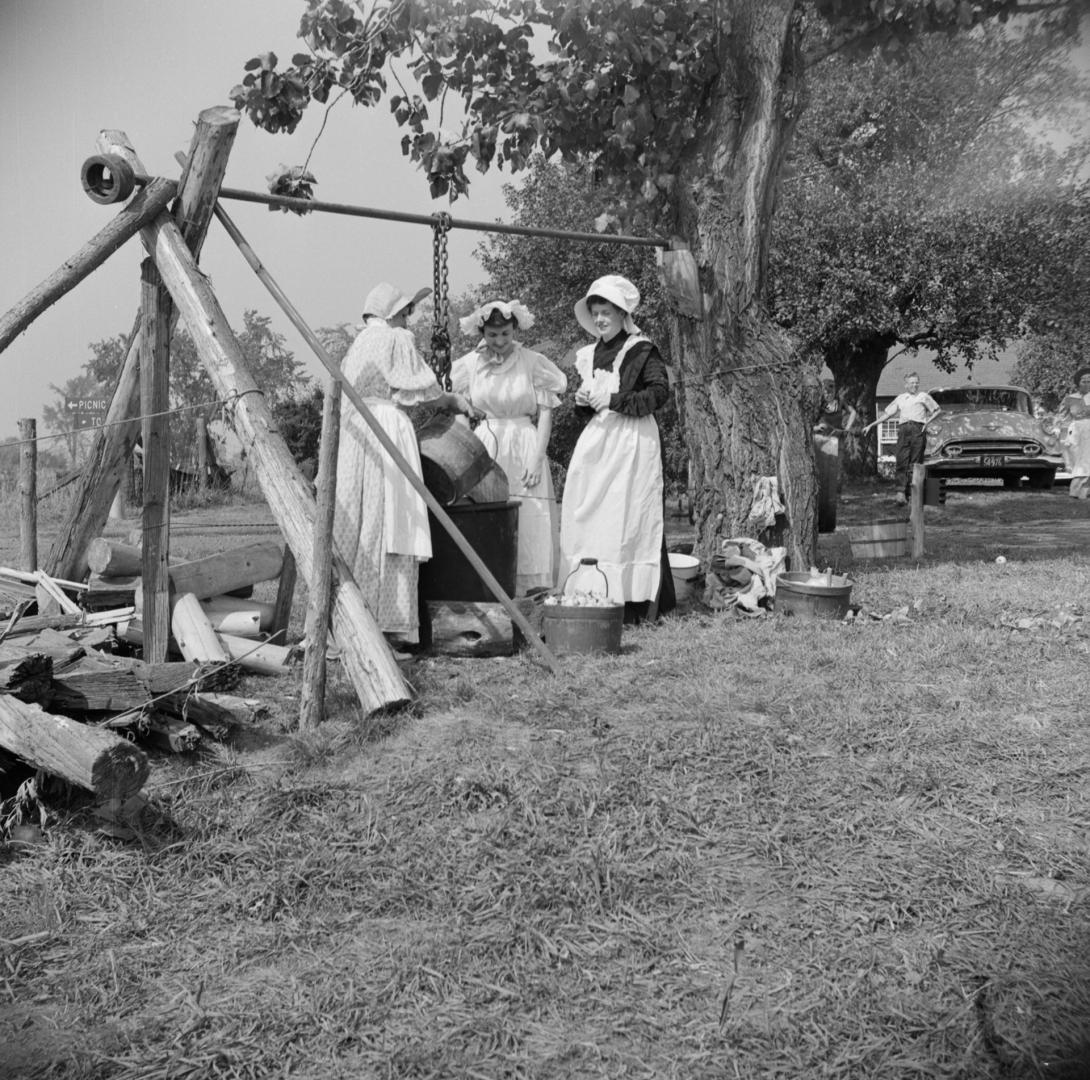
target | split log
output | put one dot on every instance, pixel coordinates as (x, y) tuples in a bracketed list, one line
[(29, 678), (367, 657), (193, 632), (245, 711), (261, 658), (91, 758), (111, 453), (31, 624), (103, 593), (112, 559), (60, 655), (145, 206), (124, 684)]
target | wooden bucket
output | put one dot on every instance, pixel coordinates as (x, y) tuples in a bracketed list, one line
[(883, 539), (493, 487), (452, 459)]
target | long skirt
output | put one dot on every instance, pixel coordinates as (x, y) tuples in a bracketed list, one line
[(512, 442), (381, 523), (612, 507)]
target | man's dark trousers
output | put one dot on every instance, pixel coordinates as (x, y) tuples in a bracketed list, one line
[(911, 442)]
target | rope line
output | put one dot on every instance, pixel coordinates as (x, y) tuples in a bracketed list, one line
[(236, 396)]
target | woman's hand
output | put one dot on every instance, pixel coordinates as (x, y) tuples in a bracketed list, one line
[(596, 397), (460, 403), (533, 473)]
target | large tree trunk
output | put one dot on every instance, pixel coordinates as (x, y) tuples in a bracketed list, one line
[(857, 370), (741, 385)]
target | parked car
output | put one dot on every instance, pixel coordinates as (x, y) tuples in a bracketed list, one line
[(991, 432)]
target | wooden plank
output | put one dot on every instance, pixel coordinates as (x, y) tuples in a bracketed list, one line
[(285, 592), (91, 758), (316, 633), (155, 430), (110, 456)]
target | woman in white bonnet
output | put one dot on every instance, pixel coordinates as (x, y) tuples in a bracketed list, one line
[(517, 390), (613, 496), (381, 522)]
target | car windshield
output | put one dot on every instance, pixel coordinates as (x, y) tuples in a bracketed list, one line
[(980, 398)]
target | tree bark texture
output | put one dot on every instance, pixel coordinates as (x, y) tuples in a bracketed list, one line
[(738, 390)]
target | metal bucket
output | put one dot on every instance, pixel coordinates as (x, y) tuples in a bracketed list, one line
[(586, 630), (806, 597)]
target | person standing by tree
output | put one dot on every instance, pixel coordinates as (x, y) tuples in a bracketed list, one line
[(514, 386), (381, 522), (1074, 417), (914, 409), (613, 496)]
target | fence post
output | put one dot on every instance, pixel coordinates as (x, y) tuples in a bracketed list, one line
[(28, 490), (915, 512)]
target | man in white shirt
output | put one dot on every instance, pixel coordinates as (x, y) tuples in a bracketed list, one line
[(914, 411)]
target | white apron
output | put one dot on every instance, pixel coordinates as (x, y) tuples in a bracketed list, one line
[(612, 504), (512, 442)]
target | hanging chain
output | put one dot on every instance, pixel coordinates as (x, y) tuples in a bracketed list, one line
[(440, 334)]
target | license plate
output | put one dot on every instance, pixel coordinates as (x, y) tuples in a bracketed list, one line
[(992, 459)]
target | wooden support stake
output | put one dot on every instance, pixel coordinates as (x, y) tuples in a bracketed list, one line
[(915, 513), (202, 453), (312, 697), (145, 206), (111, 453), (285, 591), (28, 493), (154, 401)]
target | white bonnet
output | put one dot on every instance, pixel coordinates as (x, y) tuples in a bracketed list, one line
[(473, 323), (619, 291), (385, 301)]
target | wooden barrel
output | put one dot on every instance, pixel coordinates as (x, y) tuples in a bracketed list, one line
[(827, 458), (452, 459), (493, 487), (883, 539)]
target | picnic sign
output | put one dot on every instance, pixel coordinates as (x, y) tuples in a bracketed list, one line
[(86, 411)]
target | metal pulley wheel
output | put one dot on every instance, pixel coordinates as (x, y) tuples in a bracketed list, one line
[(107, 179)]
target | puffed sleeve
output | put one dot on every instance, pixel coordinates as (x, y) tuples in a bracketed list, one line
[(411, 381), (549, 381), (461, 372)]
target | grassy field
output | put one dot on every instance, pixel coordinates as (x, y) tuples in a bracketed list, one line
[(743, 848)]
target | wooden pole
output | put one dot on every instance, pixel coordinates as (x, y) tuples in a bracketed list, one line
[(370, 664), (312, 697), (915, 513), (357, 401), (285, 593), (111, 452), (154, 400), (28, 493), (202, 453), (142, 208)]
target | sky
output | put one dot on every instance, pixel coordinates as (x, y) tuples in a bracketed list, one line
[(148, 67)]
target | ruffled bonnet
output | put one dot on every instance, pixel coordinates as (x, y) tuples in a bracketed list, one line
[(473, 323)]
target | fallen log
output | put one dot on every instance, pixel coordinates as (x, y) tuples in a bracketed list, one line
[(228, 602), (262, 658), (225, 571), (193, 632), (111, 558), (170, 733), (89, 757)]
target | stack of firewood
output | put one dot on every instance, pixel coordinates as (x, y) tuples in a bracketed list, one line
[(72, 707)]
